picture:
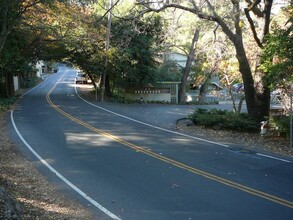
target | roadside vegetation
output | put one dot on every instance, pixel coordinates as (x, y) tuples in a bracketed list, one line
[(223, 119), (5, 103), (240, 122), (281, 125)]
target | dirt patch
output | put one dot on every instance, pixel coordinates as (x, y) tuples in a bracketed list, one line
[(269, 143), (25, 193)]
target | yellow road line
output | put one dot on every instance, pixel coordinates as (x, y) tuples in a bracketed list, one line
[(175, 163)]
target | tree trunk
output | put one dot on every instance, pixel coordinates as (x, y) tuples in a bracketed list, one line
[(262, 93), (233, 98), (107, 87), (240, 104), (190, 58), (263, 104), (9, 85), (203, 89), (257, 96), (247, 78)]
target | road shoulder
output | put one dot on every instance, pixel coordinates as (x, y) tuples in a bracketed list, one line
[(29, 190)]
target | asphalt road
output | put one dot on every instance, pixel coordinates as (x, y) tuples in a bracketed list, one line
[(128, 161)]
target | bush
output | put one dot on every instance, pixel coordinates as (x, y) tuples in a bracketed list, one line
[(224, 119), (282, 125), (30, 82), (6, 102)]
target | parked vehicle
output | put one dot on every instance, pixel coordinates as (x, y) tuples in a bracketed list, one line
[(81, 78), (238, 87)]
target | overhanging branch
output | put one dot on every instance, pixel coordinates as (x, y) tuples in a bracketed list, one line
[(193, 10), (252, 26), (252, 6)]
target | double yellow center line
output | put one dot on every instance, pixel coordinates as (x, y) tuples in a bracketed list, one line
[(175, 163)]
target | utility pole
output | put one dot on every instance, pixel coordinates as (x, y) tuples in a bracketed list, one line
[(291, 112), (107, 46)]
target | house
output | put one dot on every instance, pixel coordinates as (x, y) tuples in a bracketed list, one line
[(39, 66), (179, 58)]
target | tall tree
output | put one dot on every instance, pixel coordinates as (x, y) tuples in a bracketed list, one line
[(187, 69), (51, 32), (229, 16), (277, 57), (136, 45), (11, 13)]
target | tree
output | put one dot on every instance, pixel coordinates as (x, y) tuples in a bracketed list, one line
[(136, 45), (54, 31), (257, 94), (277, 58), (186, 72), (17, 57), (12, 12), (277, 54)]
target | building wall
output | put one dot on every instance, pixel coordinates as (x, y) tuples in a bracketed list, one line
[(163, 97), (39, 66), (16, 83), (180, 59), (148, 94)]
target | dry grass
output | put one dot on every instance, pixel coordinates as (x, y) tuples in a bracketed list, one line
[(253, 141)]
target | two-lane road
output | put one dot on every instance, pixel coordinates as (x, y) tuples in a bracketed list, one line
[(129, 168)]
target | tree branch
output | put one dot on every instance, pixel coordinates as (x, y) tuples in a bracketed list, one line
[(252, 6), (252, 27), (194, 10), (108, 10), (237, 17)]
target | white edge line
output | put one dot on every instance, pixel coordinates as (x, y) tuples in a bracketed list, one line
[(276, 158), (80, 192), (173, 132)]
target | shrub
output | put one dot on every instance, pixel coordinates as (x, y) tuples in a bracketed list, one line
[(282, 125), (30, 82), (224, 119), (6, 102)]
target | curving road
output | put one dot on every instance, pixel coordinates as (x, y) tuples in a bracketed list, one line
[(127, 161)]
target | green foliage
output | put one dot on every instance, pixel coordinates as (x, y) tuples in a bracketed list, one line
[(224, 119), (51, 32), (29, 82), (281, 124), (277, 55), (16, 59), (168, 71), (136, 46), (5, 103)]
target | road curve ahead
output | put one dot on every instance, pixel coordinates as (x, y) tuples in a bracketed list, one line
[(127, 169)]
